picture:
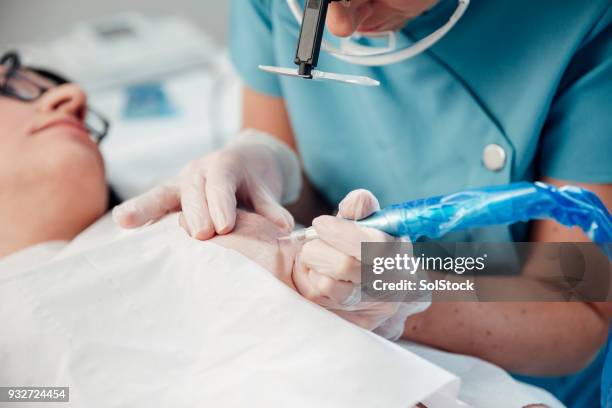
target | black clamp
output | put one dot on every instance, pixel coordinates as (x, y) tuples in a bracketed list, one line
[(311, 35)]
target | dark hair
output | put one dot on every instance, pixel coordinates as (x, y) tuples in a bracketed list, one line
[(113, 198)]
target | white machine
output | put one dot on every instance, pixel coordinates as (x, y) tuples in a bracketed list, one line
[(124, 48)]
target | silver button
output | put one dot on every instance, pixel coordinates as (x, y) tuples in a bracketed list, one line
[(494, 157)]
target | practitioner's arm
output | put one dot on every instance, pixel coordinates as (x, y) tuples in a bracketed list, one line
[(533, 338)]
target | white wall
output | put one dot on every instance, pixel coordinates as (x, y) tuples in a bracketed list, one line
[(28, 20)]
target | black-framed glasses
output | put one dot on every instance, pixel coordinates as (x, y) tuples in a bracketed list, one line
[(16, 84)]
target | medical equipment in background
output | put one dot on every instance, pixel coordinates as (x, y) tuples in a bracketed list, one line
[(489, 206), (148, 100), (122, 49), (310, 43)]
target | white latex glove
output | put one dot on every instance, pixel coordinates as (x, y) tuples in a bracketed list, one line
[(328, 270), (256, 169)]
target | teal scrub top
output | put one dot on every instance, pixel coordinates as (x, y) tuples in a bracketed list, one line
[(533, 77), (606, 377)]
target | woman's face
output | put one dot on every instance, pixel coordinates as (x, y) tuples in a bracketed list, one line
[(48, 162)]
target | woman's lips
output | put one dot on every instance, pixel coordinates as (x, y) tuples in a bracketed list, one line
[(66, 122)]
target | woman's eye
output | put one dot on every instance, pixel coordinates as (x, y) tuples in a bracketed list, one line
[(22, 89), (10, 89)]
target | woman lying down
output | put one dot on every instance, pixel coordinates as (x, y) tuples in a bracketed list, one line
[(152, 317)]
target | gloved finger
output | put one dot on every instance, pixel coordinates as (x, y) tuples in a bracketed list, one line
[(195, 208), (149, 206), (305, 287), (325, 292), (346, 236), (358, 204), (267, 206), (342, 20), (183, 223), (329, 261), (221, 198), (324, 286)]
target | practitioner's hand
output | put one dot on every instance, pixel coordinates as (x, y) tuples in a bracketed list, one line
[(256, 169), (373, 16), (257, 238), (328, 269)]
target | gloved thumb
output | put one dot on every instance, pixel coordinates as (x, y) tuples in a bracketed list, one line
[(357, 205)]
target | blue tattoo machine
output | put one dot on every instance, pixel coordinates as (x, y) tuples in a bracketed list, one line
[(498, 205)]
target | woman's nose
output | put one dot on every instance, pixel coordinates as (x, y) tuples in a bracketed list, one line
[(67, 98)]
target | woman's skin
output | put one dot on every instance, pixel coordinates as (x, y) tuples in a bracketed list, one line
[(530, 338), (257, 238), (52, 182)]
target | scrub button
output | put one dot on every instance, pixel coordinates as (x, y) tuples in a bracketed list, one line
[(494, 157)]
